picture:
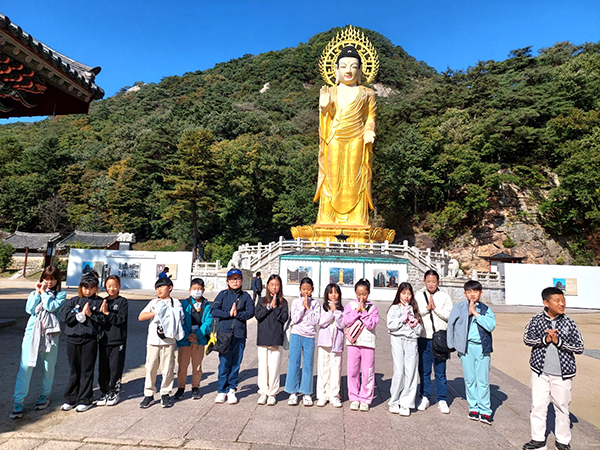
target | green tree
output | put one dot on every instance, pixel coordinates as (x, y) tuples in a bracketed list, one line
[(6, 252)]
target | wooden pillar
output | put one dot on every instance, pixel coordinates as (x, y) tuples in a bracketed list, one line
[(25, 261)]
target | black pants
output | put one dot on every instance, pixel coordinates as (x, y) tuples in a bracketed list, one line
[(256, 294), (111, 363), (82, 359)]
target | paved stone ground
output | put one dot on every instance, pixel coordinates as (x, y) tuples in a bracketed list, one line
[(201, 424)]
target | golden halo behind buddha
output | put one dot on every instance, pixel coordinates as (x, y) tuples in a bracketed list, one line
[(349, 36)]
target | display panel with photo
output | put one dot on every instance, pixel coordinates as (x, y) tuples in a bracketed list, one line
[(344, 276), (172, 272), (296, 273), (385, 278), (129, 270)]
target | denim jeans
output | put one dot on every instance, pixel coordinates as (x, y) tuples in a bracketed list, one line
[(426, 360), (302, 350), (229, 365)]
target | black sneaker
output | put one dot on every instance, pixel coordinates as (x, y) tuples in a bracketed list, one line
[(17, 411), (560, 446), (535, 445), (179, 393), (147, 401), (484, 418), (166, 401), (473, 415), (196, 393)]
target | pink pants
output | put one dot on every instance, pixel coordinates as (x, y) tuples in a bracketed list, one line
[(361, 360)]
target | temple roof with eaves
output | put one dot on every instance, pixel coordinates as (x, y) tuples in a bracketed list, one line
[(36, 80)]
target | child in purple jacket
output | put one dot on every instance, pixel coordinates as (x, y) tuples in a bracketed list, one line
[(331, 348)]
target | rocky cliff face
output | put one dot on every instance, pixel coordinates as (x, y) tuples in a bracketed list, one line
[(510, 226)]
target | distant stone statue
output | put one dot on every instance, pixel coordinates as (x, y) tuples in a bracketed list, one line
[(236, 261), (453, 268)]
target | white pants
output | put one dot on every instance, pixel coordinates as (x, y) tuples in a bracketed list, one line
[(269, 363), (329, 373), (162, 356), (405, 358), (546, 388)]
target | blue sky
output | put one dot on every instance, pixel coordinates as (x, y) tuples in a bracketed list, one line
[(146, 40)]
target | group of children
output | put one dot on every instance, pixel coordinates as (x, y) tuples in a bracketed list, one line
[(98, 326)]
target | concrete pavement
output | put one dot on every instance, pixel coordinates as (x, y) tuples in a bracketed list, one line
[(202, 424)]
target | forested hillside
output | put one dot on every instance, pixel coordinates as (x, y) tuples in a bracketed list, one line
[(233, 149)]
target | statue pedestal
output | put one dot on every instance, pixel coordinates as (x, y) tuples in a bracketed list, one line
[(354, 233)]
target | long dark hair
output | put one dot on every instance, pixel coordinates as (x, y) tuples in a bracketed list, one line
[(268, 297), (413, 301), (52, 272), (332, 287)]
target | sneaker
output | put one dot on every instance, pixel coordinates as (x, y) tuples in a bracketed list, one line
[(336, 402), (560, 446), (231, 397), (404, 411), (395, 409), (165, 401), (535, 445), (17, 411), (355, 406), (221, 397), (293, 400), (42, 402), (113, 399), (443, 407), (364, 406), (262, 400), (473, 415), (67, 407), (102, 400), (271, 400), (196, 393), (146, 401), (321, 402), (82, 407), (424, 404), (179, 393), (484, 418), (307, 400)]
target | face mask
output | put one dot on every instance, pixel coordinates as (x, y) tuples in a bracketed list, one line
[(197, 293)]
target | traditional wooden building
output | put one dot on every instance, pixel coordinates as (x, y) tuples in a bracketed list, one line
[(36, 80), (101, 241), (39, 245)]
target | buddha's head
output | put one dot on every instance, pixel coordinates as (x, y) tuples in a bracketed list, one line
[(348, 67)]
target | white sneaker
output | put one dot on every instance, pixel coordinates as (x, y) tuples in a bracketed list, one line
[(424, 404), (293, 400), (231, 397), (112, 399), (102, 400), (395, 409), (364, 406), (82, 407), (404, 411), (271, 400), (336, 402), (444, 409), (321, 402), (307, 400), (67, 407), (355, 405), (221, 397), (262, 400)]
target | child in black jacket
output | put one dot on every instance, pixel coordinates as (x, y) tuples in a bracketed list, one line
[(112, 342), (80, 319)]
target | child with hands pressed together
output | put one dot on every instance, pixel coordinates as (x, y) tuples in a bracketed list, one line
[(361, 351), (271, 313), (554, 339), (330, 348), (112, 342), (81, 320), (197, 323), (165, 328), (233, 307), (305, 313), (40, 340), (404, 325), (470, 327)]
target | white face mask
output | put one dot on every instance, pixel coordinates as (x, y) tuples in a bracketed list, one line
[(197, 293)]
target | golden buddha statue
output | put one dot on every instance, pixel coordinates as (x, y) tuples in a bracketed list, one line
[(346, 135)]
